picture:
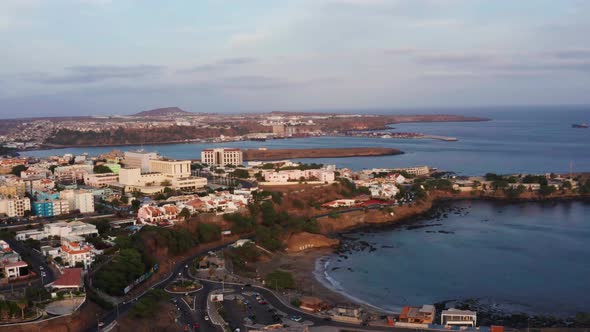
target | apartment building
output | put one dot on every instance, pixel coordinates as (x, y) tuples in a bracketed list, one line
[(222, 156), (81, 200), (15, 207)]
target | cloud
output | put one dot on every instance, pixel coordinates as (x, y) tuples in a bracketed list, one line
[(247, 39), (219, 65), (93, 74)]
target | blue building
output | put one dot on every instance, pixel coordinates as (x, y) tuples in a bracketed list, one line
[(43, 208)]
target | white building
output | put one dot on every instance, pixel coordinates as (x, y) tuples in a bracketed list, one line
[(15, 207), (61, 229), (171, 168), (139, 159), (222, 156), (101, 180), (456, 317), (73, 253), (294, 175), (81, 200), (173, 173)]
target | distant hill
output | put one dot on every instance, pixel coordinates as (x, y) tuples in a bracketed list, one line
[(165, 111)]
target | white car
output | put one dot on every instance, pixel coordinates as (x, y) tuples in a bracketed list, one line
[(206, 317)]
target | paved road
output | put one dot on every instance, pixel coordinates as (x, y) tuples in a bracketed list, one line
[(36, 259)]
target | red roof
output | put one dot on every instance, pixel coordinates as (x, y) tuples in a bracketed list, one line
[(70, 278), (16, 264)]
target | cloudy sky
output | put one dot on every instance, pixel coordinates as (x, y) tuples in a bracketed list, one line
[(64, 57)]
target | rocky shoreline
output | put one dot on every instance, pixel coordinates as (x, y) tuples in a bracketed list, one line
[(436, 209)]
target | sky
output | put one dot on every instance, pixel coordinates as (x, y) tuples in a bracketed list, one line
[(86, 57)]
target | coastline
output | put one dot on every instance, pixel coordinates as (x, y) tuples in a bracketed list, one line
[(318, 265)]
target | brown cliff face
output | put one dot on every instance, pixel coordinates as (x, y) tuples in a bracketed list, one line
[(303, 241)]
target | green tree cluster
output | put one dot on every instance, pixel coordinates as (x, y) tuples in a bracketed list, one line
[(241, 224), (149, 304), (120, 272), (101, 169), (209, 232), (280, 280)]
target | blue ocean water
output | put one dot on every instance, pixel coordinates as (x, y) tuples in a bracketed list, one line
[(528, 257), (514, 141)]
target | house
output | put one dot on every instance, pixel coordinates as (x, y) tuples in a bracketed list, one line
[(71, 279), (423, 315), (77, 253), (456, 317), (16, 270), (340, 203), (155, 214), (347, 314)]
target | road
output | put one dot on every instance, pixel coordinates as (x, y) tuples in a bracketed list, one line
[(37, 261), (200, 298)]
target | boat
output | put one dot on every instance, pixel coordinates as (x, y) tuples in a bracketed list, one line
[(580, 125), (258, 139)]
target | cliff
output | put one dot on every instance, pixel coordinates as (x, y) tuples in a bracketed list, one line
[(278, 154), (302, 241)]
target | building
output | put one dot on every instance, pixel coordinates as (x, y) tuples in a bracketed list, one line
[(322, 175), (139, 159), (176, 176), (101, 180), (424, 315), (60, 229), (158, 214), (80, 200), (114, 167), (222, 156), (72, 173), (456, 317), (416, 171), (50, 208), (171, 168), (15, 207), (16, 270), (76, 254), (71, 279)]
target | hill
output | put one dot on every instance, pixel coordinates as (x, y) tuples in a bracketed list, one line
[(165, 111)]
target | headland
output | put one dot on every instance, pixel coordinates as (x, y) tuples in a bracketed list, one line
[(279, 154)]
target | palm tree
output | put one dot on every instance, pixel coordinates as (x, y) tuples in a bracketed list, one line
[(22, 304)]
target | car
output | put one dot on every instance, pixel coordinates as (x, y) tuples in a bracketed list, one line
[(247, 285), (262, 302), (296, 318), (100, 324), (197, 326), (206, 317), (327, 319)]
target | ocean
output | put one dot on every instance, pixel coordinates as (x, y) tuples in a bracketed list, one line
[(526, 257), (514, 141)]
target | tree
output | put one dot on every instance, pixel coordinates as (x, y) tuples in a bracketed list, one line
[(101, 169), (22, 304), (280, 280), (209, 232), (52, 168), (125, 199), (17, 169), (184, 213), (241, 173), (135, 204)]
